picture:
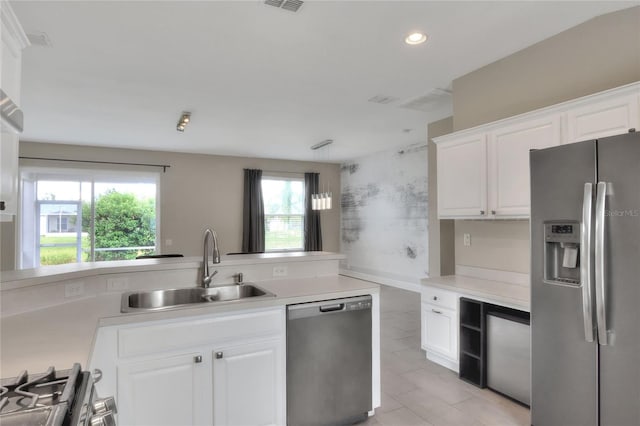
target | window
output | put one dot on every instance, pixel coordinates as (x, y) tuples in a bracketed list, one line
[(283, 213), (72, 215)]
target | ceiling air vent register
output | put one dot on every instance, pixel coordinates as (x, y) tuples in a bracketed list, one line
[(291, 5), (382, 99), (429, 102)]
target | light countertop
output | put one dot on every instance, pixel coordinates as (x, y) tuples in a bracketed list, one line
[(497, 292), (64, 334)]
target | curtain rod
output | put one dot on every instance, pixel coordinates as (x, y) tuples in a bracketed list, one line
[(164, 166), (286, 173)]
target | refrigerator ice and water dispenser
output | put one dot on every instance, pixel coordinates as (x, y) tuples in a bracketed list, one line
[(562, 253)]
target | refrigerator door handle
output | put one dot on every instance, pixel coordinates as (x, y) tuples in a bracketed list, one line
[(585, 262), (601, 312)]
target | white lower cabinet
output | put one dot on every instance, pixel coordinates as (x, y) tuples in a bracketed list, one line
[(248, 384), (222, 369), (439, 327), (164, 391)]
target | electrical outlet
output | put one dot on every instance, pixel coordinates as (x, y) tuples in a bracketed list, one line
[(74, 289), (467, 240), (280, 271), (117, 284)]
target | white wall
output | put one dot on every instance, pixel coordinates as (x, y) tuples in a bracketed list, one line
[(384, 216)]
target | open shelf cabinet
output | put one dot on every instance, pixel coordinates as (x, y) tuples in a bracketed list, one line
[(473, 358)]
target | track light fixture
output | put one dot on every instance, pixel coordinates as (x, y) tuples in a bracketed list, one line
[(185, 118)]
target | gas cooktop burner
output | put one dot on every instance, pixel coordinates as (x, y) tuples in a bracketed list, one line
[(41, 391), (54, 398)]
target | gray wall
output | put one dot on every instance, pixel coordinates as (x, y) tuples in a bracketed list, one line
[(198, 191), (599, 54), (441, 232)]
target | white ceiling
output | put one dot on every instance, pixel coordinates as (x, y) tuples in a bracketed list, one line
[(262, 81)]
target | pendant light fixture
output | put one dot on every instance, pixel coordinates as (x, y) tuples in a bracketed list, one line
[(322, 200)]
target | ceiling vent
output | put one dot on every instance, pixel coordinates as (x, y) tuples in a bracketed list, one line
[(382, 99), (275, 3), (39, 39), (291, 5), (432, 100)]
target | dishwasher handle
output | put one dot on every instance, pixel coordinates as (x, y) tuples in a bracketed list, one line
[(326, 307), (332, 308)]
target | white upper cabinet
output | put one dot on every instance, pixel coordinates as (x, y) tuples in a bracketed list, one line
[(462, 177), (483, 173), (12, 41), (605, 118), (508, 163), (8, 176)]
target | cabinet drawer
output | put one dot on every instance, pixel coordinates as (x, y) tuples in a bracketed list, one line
[(163, 336), (442, 298)]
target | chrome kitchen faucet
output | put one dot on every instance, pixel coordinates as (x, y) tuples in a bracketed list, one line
[(209, 237)]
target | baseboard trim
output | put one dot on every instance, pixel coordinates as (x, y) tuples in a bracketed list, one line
[(404, 285), (445, 362)]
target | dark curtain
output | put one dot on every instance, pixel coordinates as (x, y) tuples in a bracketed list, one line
[(253, 213), (312, 231)]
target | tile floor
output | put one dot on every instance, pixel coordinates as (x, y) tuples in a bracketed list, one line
[(416, 391)]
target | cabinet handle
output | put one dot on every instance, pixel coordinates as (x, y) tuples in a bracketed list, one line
[(2, 206), (482, 212), (435, 297), (197, 359), (493, 212), (219, 355), (436, 312)]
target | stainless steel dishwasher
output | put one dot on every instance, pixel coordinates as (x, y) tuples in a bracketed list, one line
[(329, 362)]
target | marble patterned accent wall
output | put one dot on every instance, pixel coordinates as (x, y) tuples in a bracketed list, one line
[(384, 215)]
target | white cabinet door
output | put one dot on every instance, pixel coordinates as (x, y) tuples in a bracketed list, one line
[(605, 118), (248, 384), (440, 330), (169, 391), (508, 163), (8, 176), (462, 177), (12, 41)]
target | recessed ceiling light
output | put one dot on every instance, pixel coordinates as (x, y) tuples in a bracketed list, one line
[(416, 38)]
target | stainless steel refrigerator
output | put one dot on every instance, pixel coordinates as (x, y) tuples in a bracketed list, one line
[(585, 283)]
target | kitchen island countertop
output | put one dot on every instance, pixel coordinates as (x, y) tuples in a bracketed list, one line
[(63, 334)]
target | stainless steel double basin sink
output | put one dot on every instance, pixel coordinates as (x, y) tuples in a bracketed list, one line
[(155, 300)]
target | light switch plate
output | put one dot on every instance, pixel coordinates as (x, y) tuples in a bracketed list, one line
[(280, 271), (467, 240)]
